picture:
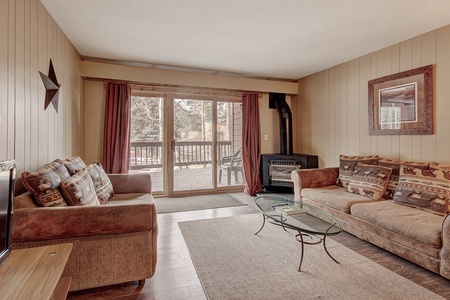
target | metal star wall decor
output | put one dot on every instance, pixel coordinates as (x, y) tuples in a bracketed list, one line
[(52, 86)]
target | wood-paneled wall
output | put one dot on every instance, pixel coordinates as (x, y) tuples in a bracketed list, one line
[(332, 106), (29, 38)]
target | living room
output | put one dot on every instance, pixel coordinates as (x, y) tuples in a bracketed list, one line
[(330, 105)]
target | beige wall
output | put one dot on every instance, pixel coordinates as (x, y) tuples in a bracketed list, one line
[(29, 38), (332, 106)]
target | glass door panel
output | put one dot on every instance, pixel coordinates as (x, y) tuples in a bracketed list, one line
[(230, 171), (147, 139), (193, 141)]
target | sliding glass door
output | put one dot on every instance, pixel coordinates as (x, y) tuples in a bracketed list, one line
[(193, 144), (188, 143)]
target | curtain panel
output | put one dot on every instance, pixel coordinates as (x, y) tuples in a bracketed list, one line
[(116, 138), (251, 143)]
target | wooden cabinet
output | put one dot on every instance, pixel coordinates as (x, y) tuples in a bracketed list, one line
[(35, 273)]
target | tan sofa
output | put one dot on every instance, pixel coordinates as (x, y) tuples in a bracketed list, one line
[(112, 243), (420, 236)]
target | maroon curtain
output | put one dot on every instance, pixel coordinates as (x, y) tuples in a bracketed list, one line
[(251, 148), (116, 138)]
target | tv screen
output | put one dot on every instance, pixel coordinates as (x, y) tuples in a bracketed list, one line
[(7, 178)]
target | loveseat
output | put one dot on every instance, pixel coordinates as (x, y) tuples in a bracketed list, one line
[(113, 242), (406, 214)]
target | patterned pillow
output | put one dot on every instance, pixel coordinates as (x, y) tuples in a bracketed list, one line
[(78, 190), (74, 164), (395, 165), (428, 190), (347, 166), (369, 181), (102, 184), (435, 165), (43, 183)]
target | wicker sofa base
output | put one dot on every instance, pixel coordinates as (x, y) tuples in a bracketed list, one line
[(101, 260)]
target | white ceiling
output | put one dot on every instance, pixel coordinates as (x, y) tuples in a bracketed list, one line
[(284, 39)]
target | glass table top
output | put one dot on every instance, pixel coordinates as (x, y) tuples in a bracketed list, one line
[(304, 217)]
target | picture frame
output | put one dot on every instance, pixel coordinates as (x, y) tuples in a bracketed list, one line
[(402, 103)]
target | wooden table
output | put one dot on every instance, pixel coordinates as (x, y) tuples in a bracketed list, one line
[(35, 273)]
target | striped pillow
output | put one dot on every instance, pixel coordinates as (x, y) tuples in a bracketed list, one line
[(428, 190), (395, 166), (44, 182), (369, 181), (347, 166), (78, 190)]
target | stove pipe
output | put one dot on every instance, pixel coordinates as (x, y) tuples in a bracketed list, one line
[(278, 101)]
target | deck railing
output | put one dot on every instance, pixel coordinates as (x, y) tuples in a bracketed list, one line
[(149, 154)]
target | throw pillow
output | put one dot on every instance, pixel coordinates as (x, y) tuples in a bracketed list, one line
[(102, 184), (428, 190), (369, 181), (395, 166), (347, 166), (74, 164), (78, 190), (435, 165), (44, 182)]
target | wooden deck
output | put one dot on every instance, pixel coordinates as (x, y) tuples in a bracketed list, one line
[(187, 179)]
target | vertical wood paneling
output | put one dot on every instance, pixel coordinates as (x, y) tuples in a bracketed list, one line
[(384, 66), (4, 21), (332, 115), (416, 140), (51, 128), (353, 118), (11, 79), (395, 68), (441, 95), (43, 67), (373, 75), (34, 87), (429, 44), (28, 133), (347, 88), (27, 87), (319, 111), (364, 73), (406, 50), (343, 109)]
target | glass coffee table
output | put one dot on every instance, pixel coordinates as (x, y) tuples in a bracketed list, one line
[(313, 225)]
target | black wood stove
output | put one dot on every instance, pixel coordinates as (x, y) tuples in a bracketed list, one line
[(276, 168)]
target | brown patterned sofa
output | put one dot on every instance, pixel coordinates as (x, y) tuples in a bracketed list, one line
[(112, 243), (409, 219)]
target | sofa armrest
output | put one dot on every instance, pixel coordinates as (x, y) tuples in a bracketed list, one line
[(131, 183), (313, 178), (47, 223), (445, 250)]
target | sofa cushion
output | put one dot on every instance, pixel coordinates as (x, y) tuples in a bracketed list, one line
[(78, 190), (428, 190), (334, 196), (102, 184), (74, 164), (347, 165), (116, 217), (412, 223), (395, 166), (44, 182), (369, 181)]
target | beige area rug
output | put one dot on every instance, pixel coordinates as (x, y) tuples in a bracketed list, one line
[(233, 263), (169, 205)]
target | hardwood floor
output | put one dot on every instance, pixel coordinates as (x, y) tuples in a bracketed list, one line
[(176, 278)]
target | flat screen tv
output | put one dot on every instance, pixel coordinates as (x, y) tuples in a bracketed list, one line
[(7, 178)]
